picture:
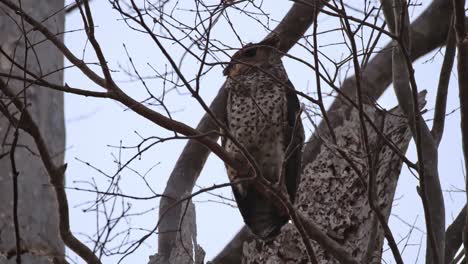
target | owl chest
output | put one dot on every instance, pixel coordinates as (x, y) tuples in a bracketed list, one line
[(257, 113)]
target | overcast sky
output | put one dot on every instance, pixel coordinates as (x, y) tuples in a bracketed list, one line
[(95, 125)]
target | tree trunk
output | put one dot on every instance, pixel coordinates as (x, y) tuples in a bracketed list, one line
[(36, 203)]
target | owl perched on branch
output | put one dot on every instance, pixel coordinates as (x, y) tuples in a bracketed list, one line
[(263, 115)]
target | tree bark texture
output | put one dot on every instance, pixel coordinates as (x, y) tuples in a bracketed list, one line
[(333, 193), (37, 207)]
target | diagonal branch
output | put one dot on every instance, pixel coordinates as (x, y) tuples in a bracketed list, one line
[(73, 7), (442, 89)]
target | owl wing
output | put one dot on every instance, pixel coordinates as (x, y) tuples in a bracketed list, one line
[(261, 216), (293, 140)]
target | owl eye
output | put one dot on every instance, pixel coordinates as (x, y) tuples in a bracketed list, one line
[(250, 52)]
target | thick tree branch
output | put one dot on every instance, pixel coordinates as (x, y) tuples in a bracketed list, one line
[(442, 89)]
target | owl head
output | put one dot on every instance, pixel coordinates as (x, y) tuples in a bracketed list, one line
[(254, 55)]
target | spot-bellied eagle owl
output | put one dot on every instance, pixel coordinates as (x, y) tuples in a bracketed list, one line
[(263, 115)]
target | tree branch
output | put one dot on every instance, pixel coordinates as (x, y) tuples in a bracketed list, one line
[(73, 7), (406, 90), (442, 89), (56, 176)]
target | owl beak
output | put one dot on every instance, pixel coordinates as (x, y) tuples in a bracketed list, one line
[(227, 69), (234, 69)]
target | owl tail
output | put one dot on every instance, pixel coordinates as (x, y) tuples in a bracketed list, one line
[(260, 214)]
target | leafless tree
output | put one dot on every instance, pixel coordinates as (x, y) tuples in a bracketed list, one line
[(351, 162)]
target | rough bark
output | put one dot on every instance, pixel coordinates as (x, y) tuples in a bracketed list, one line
[(37, 206), (333, 193)]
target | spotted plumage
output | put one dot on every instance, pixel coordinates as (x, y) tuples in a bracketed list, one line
[(262, 115)]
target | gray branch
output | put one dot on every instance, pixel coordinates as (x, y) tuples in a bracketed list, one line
[(396, 14)]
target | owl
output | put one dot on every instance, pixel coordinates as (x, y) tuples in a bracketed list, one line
[(263, 115)]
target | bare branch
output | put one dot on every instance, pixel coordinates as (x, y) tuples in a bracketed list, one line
[(397, 17), (56, 175), (117, 94), (73, 7), (442, 89), (15, 175)]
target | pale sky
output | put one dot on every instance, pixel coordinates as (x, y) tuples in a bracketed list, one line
[(94, 125)]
